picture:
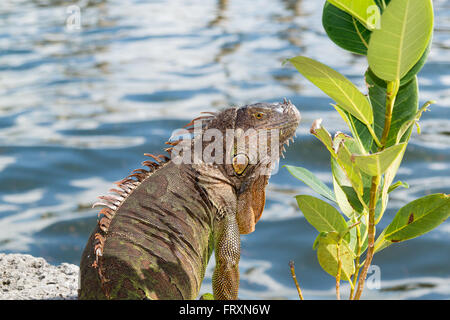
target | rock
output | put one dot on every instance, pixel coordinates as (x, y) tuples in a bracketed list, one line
[(24, 277)]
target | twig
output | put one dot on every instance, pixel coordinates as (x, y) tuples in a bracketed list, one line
[(391, 93), (338, 275), (291, 265), (357, 267), (371, 236)]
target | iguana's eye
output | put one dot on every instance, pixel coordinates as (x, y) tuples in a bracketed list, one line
[(259, 115)]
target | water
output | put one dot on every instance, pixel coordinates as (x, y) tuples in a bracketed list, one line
[(79, 108)]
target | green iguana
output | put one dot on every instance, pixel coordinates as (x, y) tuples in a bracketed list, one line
[(158, 229)]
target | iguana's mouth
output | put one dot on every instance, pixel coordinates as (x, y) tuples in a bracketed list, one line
[(289, 128), (286, 143)]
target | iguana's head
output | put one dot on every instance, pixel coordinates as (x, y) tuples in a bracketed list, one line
[(238, 147), (274, 124), (265, 129)]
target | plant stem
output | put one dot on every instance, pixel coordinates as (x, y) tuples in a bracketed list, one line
[(338, 275), (371, 235), (391, 93), (291, 265), (358, 254)]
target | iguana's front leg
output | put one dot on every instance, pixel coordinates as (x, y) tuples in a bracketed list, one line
[(225, 280)]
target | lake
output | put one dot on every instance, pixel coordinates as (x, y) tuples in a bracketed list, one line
[(80, 106)]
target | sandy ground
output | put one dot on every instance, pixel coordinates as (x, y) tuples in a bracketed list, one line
[(24, 277)]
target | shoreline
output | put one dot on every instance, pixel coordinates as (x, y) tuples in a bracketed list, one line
[(25, 277)]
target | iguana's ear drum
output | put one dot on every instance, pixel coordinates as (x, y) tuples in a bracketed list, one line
[(251, 205), (240, 163)]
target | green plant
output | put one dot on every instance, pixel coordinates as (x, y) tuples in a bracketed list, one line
[(395, 36)]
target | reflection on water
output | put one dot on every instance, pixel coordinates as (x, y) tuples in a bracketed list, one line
[(79, 108)]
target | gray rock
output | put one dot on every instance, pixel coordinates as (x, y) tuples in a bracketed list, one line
[(24, 277)]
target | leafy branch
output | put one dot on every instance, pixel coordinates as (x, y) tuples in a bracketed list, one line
[(364, 164)]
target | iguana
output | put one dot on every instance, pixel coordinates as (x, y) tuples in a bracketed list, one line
[(158, 229)]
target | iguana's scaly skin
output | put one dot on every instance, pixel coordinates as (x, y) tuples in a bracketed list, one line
[(157, 233)]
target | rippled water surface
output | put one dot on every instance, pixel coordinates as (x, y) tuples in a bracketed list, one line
[(79, 108)]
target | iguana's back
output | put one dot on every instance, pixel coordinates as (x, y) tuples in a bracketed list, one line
[(157, 244)]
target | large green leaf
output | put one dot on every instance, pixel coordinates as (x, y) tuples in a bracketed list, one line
[(405, 109), (323, 135), (418, 217), (344, 192), (356, 203), (321, 215), (348, 178), (344, 30), (341, 199), (377, 163), (417, 67), (364, 236), (358, 129), (344, 173), (352, 241), (327, 254), (311, 181), (381, 243), (406, 28), (344, 159), (316, 241), (344, 187), (341, 149), (342, 138), (336, 86), (360, 9), (348, 33)]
